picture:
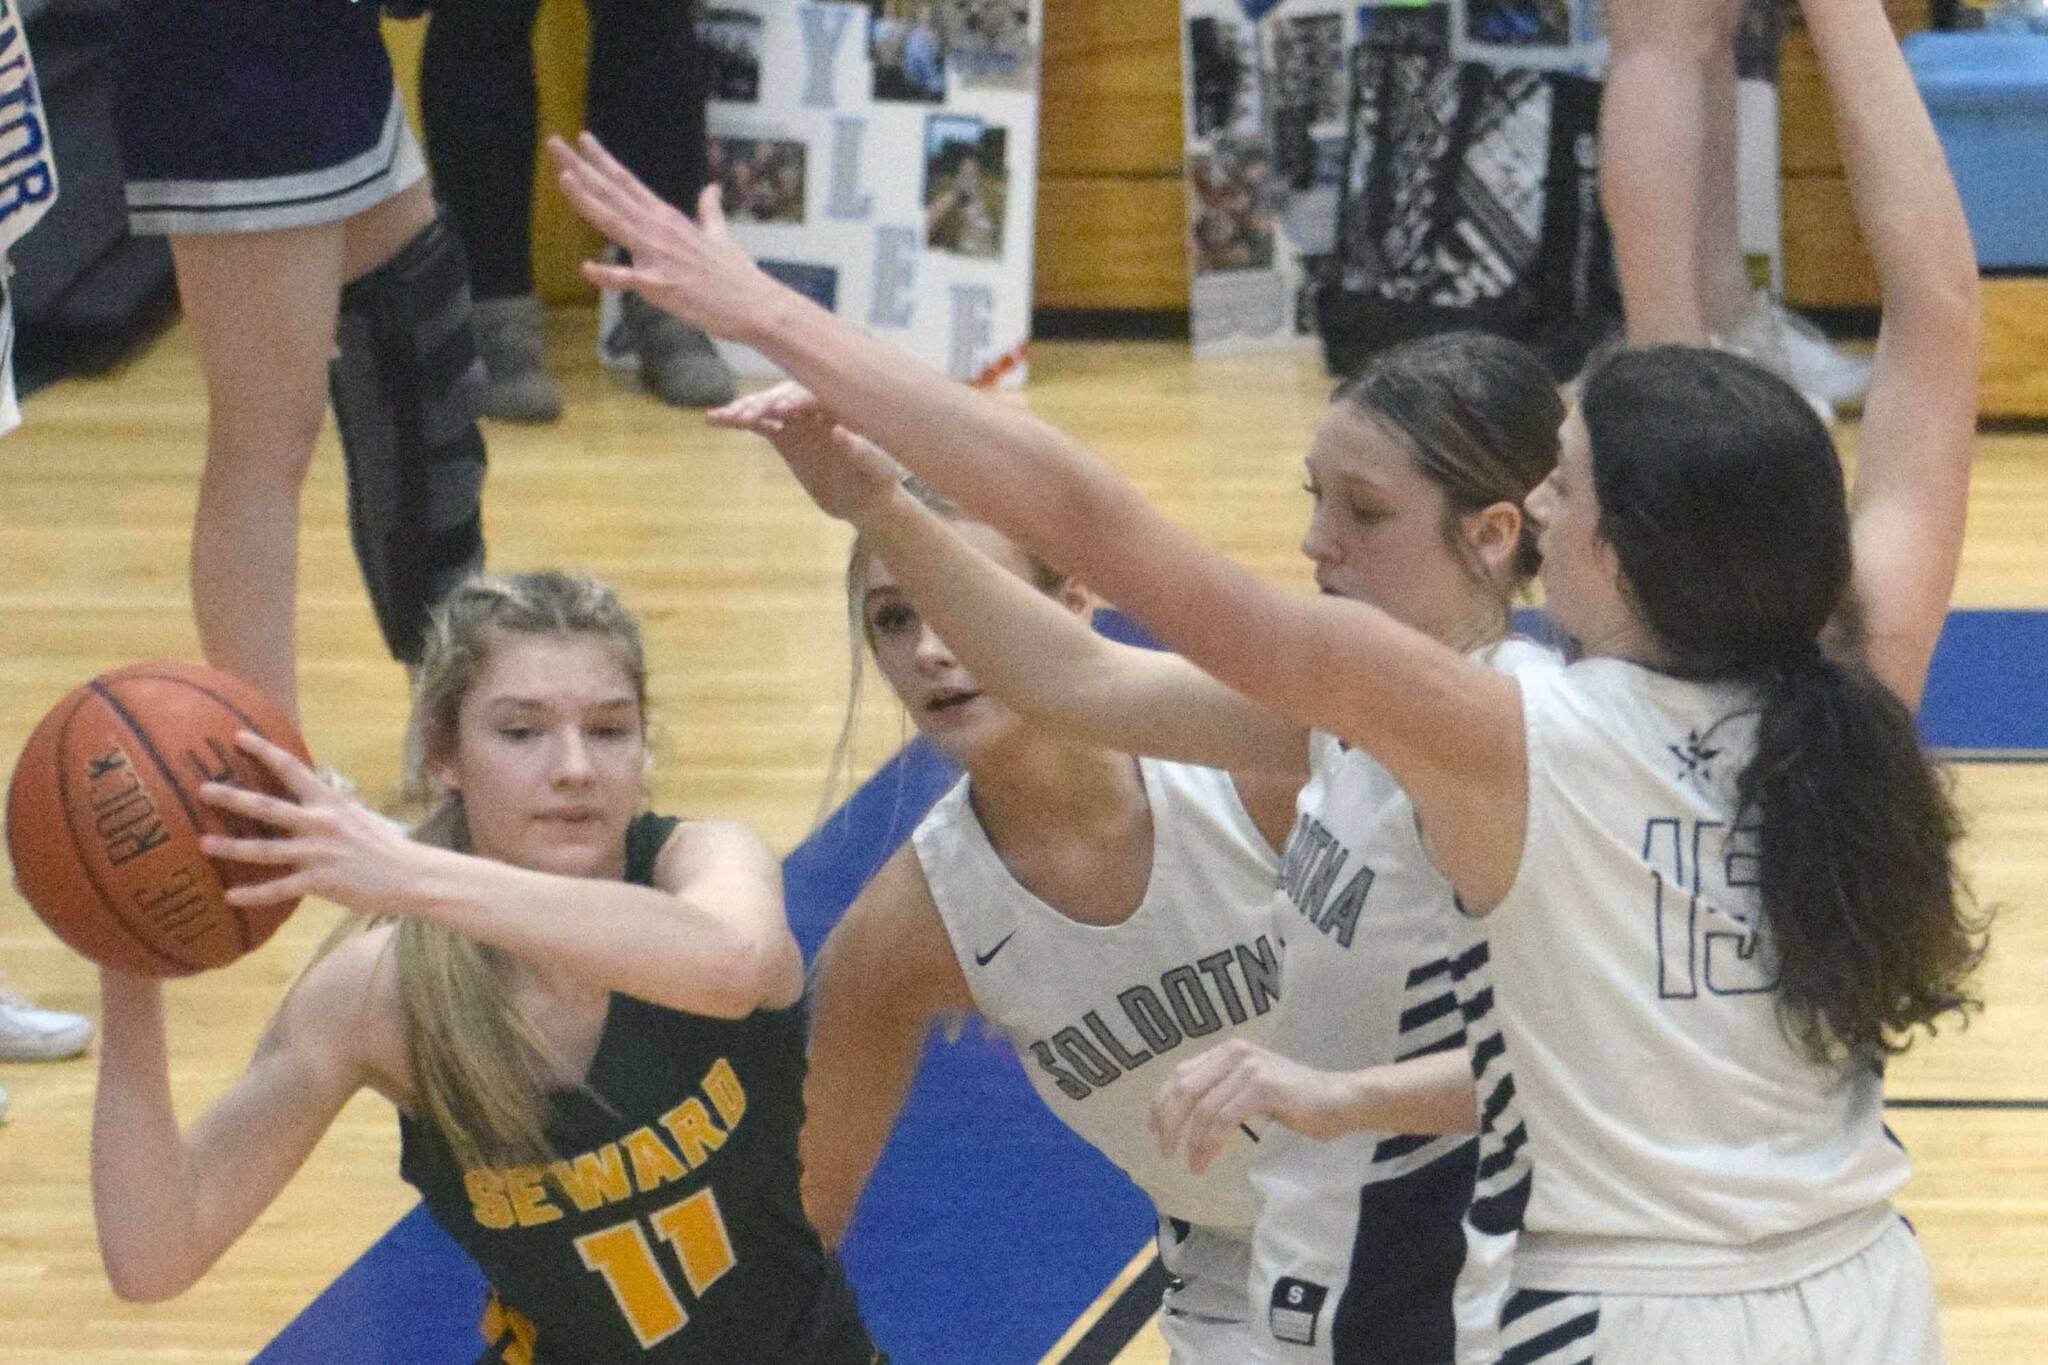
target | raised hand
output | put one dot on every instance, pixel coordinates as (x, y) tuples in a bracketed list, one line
[(844, 474), (693, 270), (1211, 1097), (327, 844)]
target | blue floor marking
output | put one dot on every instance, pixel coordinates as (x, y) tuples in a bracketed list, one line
[(989, 1227), (1987, 691)]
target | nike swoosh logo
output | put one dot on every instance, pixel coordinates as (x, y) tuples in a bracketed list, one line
[(983, 959)]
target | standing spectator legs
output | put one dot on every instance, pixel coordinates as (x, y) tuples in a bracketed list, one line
[(649, 82), (479, 112)]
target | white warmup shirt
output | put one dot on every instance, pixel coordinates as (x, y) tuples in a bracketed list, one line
[(1100, 1015), (1358, 1245), (1650, 1126)]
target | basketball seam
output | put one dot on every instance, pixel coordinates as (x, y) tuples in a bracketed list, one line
[(171, 779), (241, 916), (111, 902)]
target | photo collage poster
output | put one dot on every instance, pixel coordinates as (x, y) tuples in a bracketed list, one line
[(1267, 96), (881, 157)]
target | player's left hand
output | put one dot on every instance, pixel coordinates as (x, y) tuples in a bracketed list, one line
[(327, 844), (695, 271), (1210, 1097), (844, 473)]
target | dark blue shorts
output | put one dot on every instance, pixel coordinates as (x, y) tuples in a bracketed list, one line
[(248, 115)]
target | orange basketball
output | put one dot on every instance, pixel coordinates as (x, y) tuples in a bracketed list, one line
[(104, 817)]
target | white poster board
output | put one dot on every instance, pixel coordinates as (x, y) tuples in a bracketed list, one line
[(1267, 89), (881, 157)]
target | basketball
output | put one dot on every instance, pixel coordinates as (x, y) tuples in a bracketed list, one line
[(104, 817)]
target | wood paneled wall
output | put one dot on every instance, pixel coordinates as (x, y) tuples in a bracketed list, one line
[(1112, 209), (1825, 263)]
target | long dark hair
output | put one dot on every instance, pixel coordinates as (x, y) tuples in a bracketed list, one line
[(1722, 496)]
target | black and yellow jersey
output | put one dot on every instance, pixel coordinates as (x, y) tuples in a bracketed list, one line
[(669, 1228)]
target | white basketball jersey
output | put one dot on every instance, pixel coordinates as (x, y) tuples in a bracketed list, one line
[(1101, 1014), (1651, 1127), (1373, 1218)]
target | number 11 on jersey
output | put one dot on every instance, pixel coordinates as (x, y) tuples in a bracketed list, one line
[(622, 1254)]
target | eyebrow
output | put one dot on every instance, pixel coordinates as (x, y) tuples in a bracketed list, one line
[(537, 704)]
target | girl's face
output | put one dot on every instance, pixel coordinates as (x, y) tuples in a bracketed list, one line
[(548, 755), (937, 691), (1376, 531), (1581, 573)]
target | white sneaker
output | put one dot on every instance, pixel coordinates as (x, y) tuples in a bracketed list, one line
[(1817, 367), (1761, 336), (28, 1034)]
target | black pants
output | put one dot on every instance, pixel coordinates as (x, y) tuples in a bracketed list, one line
[(647, 88)]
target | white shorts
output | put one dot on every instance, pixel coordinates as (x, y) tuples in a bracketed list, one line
[(1195, 1340), (1876, 1308), (1203, 1315)]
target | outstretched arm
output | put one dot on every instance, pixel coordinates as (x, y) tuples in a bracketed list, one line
[(169, 1203), (884, 975), (1919, 422), (1034, 651), (1450, 729), (709, 937)]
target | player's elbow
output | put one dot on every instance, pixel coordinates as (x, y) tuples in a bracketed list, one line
[(140, 1279), (761, 972), (825, 1208)]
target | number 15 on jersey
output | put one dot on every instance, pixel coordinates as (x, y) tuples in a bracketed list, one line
[(1701, 877)]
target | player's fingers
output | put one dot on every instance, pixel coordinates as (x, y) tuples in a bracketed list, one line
[(295, 887), (300, 780), (1216, 1118), (597, 202), (261, 806), (1175, 1101), (606, 276), (630, 188), (711, 211), (275, 852)]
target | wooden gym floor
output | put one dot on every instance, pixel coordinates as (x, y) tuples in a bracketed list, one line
[(737, 579)]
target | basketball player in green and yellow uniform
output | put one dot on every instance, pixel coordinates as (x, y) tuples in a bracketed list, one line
[(588, 1017)]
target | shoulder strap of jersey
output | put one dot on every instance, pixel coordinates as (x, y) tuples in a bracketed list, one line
[(645, 838)]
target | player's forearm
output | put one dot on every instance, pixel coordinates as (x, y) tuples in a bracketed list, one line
[(659, 947), (1015, 640), (1906, 204), (1431, 1094), (863, 1058), (1003, 465), (142, 1205)]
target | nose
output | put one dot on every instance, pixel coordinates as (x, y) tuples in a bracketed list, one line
[(932, 654), (1317, 543), (1537, 506), (572, 759)]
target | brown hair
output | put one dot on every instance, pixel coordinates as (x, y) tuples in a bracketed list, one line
[(1724, 500), (1480, 415)]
